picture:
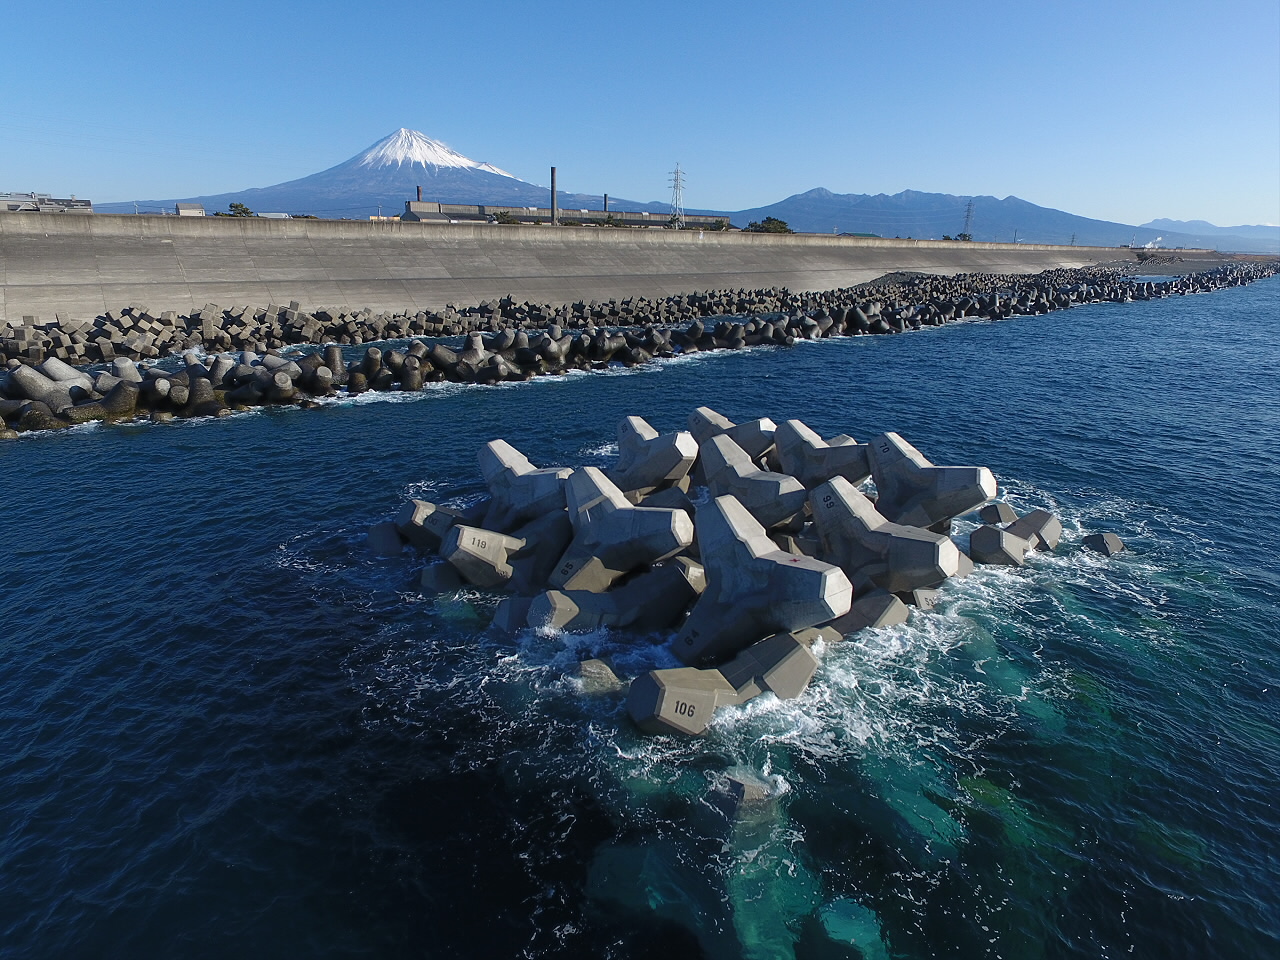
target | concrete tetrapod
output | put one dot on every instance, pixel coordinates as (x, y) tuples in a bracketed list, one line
[(997, 513), (871, 550), (1107, 544), (648, 460), (424, 524), (753, 588), (652, 601), (813, 461), (678, 700), (879, 608), (755, 437), (1039, 527), (992, 545), (545, 541), (774, 499), (612, 537), (520, 491), (684, 699), (483, 557), (913, 491)]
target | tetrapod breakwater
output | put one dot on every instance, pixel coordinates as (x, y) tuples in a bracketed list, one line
[(236, 359)]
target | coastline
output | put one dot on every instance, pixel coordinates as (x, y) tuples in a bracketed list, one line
[(512, 342)]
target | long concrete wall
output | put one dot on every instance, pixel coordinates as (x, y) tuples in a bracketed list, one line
[(82, 266)]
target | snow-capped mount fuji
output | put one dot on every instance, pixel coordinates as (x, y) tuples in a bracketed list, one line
[(383, 177), (417, 149)]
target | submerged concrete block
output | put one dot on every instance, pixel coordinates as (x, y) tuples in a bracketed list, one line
[(873, 551), (774, 499), (384, 540), (481, 556), (655, 600), (648, 460), (424, 524), (1107, 544), (612, 537), (813, 461), (913, 491), (753, 588), (1040, 527), (440, 578), (520, 490), (597, 678), (993, 545)]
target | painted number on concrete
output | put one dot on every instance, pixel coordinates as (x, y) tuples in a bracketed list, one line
[(684, 709)]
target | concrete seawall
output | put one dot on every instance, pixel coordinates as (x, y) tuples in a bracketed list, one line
[(82, 266)]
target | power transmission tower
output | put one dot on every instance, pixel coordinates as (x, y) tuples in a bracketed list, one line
[(677, 198), (1073, 239), (968, 219)]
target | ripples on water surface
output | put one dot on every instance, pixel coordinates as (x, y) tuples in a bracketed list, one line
[(231, 730)]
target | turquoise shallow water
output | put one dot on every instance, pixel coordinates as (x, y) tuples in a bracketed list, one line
[(232, 730)]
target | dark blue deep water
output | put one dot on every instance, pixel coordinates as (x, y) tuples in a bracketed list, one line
[(230, 730)]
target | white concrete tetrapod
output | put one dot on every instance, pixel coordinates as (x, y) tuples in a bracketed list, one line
[(655, 600), (678, 700), (879, 608), (611, 537), (753, 588), (482, 557), (1040, 527), (520, 491), (424, 524), (873, 551), (913, 491), (545, 541), (993, 545), (648, 460), (774, 499), (684, 699), (813, 461)]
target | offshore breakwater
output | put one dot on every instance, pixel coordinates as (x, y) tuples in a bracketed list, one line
[(56, 395)]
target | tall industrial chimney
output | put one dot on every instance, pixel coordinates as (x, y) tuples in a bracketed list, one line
[(555, 202), (606, 203), (419, 193)]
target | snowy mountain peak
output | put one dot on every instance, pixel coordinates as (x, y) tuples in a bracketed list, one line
[(411, 147)]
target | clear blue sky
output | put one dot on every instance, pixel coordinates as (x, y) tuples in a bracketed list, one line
[(1120, 111)]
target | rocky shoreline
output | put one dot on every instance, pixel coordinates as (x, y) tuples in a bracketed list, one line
[(50, 381)]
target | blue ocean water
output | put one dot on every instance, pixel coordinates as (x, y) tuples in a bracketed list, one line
[(232, 730)]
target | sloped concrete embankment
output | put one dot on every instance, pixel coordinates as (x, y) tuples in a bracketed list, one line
[(84, 266)]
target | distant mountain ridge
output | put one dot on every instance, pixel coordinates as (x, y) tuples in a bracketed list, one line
[(935, 215), (384, 176), (1258, 231)]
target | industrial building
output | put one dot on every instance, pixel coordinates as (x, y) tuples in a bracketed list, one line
[(42, 203)]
